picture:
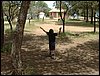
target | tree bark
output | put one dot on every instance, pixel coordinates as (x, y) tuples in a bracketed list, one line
[(63, 25), (9, 20), (17, 39), (2, 27), (91, 14), (87, 12), (62, 18), (84, 14), (94, 23), (84, 11)]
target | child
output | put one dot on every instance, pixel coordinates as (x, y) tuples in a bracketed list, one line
[(51, 36)]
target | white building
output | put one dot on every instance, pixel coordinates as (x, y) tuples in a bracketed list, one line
[(41, 15)]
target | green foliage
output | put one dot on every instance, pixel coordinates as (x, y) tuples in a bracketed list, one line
[(92, 33), (11, 9), (76, 22), (7, 47), (30, 71), (37, 7), (7, 44), (73, 20), (66, 34), (8, 31), (86, 24)]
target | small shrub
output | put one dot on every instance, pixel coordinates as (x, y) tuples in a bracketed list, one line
[(51, 17), (29, 71), (7, 47), (7, 31)]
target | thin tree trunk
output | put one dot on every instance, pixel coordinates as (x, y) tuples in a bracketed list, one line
[(17, 39), (62, 18), (9, 17), (84, 11), (2, 27), (63, 25), (87, 12), (11, 28), (94, 23), (91, 15)]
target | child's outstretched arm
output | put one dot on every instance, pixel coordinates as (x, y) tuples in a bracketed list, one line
[(43, 29)]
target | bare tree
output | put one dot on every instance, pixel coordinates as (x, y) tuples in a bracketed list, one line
[(69, 6), (17, 38)]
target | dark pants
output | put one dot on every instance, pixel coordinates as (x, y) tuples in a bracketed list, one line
[(51, 47)]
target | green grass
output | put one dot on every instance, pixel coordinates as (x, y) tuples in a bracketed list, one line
[(76, 22), (40, 21), (76, 35), (73, 20), (30, 71), (7, 47)]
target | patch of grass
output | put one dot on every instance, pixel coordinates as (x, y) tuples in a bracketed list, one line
[(86, 24), (75, 35), (29, 71), (73, 20), (89, 33), (67, 34), (8, 34), (7, 47), (83, 24), (76, 22), (7, 31), (7, 26)]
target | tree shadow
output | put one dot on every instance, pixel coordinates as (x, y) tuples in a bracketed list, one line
[(85, 55), (33, 40), (80, 59), (84, 58)]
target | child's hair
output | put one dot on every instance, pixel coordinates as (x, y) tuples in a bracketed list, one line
[(51, 31)]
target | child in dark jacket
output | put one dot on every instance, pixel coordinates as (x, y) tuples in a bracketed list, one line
[(52, 37)]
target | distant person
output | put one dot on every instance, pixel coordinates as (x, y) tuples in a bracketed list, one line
[(51, 36)]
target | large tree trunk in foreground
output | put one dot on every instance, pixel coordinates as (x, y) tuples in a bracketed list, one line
[(2, 27), (17, 38)]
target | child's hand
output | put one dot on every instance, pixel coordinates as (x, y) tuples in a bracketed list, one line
[(41, 27), (60, 28)]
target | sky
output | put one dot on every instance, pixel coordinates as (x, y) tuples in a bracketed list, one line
[(49, 3)]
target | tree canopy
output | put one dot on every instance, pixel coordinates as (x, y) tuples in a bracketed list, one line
[(38, 6)]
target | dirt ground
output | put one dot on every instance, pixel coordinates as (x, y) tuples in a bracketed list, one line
[(73, 55)]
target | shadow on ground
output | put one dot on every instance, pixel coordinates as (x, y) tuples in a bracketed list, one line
[(80, 60)]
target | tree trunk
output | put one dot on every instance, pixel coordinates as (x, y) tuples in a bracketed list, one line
[(91, 15), (62, 18), (9, 20), (87, 12), (94, 23), (17, 38), (84, 11), (2, 27), (63, 25)]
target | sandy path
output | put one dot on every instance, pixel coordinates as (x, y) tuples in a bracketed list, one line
[(55, 27)]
